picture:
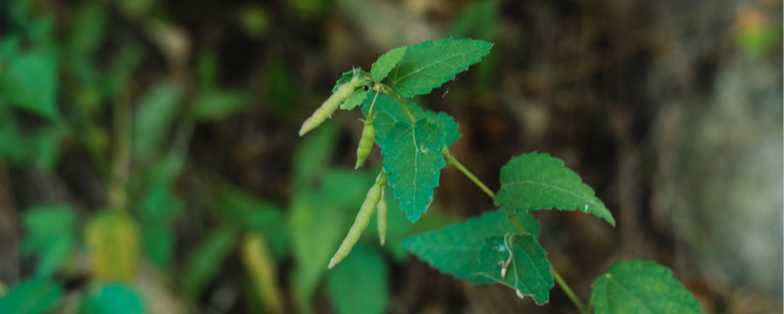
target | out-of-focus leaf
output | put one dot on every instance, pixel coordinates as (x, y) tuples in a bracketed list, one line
[(255, 20), (153, 118), (206, 260), (87, 31), (263, 271), (218, 105), (50, 234), (38, 295), (112, 240), (44, 147), (363, 273), (280, 89), (256, 215), (478, 19), (313, 156), (538, 181), (641, 287), (29, 82), (345, 189), (12, 146), (112, 299), (122, 66), (158, 209), (310, 8), (315, 232)]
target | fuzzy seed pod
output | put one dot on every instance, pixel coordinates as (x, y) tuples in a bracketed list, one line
[(360, 222), (330, 105), (382, 219), (365, 143)]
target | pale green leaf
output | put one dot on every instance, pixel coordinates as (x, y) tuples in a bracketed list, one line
[(315, 231), (538, 181), (356, 99), (154, 116), (412, 151), (641, 287), (428, 65), (457, 249), (217, 105), (386, 62), (207, 258), (528, 271), (363, 271), (50, 235), (112, 299), (33, 296)]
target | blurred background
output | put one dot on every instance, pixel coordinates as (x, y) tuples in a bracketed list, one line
[(149, 160)]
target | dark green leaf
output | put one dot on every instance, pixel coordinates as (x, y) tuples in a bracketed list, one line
[(537, 181), (428, 65), (154, 116), (412, 151), (218, 105), (29, 82), (641, 287), (528, 271), (457, 249)]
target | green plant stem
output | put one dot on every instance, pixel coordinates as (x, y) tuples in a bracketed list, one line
[(568, 291), (451, 160)]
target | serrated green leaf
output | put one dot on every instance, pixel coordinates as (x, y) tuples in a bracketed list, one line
[(457, 249), (29, 82), (538, 181), (363, 271), (429, 64), (528, 271), (356, 99), (386, 62), (112, 299), (640, 287), (50, 235), (206, 259), (412, 151), (39, 295)]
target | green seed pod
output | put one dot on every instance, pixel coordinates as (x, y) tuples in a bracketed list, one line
[(382, 219), (360, 222), (330, 105), (365, 143)]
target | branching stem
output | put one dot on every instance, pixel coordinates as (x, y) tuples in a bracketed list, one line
[(452, 161)]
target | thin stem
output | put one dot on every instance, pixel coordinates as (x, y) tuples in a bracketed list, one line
[(568, 291), (451, 160)]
